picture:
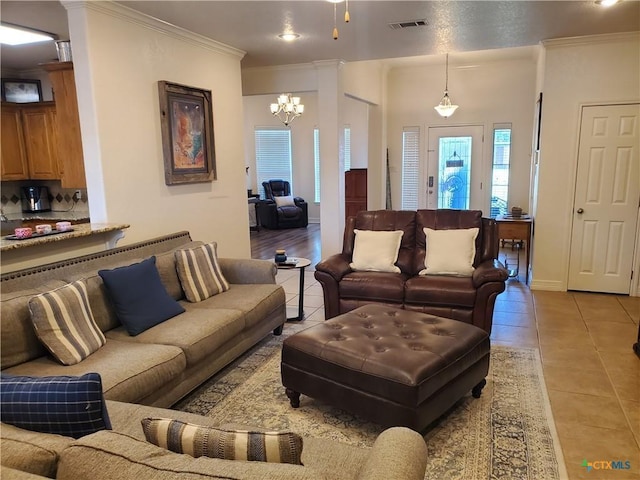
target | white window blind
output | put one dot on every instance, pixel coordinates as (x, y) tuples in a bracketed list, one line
[(316, 164), (410, 167), (347, 148), (273, 155)]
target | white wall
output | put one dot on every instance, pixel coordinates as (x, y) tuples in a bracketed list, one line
[(591, 70), (119, 56), (490, 89)]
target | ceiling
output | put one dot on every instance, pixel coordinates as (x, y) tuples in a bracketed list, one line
[(253, 26)]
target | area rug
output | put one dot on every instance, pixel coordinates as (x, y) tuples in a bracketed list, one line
[(508, 433)]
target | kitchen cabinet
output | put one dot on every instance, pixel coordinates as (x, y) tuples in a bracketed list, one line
[(13, 154), (69, 141), (29, 148), (355, 191)]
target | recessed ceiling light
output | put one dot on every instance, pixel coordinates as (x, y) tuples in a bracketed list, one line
[(16, 35), (289, 37), (335, 1), (607, 3)]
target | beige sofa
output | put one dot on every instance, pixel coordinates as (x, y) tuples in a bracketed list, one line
[(122, 453), (164, 363), (160, 366)]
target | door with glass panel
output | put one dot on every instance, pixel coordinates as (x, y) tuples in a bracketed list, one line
[(453, 173)]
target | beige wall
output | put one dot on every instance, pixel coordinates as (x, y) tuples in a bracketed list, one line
[(119, 56), (576, 72)]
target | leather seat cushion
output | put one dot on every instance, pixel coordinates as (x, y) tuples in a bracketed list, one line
[(289, 212), (399, 355), (440, 290), (374, 286)]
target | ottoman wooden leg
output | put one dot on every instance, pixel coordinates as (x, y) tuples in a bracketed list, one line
[(294, 397), (278, 330), (477, 390)]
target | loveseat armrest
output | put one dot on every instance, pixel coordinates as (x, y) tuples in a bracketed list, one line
[(398, 452), (489, 271), (337, 266), (248, 270)]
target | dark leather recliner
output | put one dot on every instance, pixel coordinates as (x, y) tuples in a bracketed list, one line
[(468, 299), (275, 217)]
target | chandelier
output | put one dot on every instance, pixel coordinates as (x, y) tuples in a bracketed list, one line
[(445, 108), (287, 109)]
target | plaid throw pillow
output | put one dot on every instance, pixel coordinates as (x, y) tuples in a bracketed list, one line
[(199, 441), (199, 272), (69, 406), (64, 323)]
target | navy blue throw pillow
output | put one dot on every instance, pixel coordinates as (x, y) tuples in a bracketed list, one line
[(138, 296), (69, 406)]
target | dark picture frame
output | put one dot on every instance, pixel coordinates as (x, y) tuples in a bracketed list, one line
[(20, 90), (538, 123), (186, 121)]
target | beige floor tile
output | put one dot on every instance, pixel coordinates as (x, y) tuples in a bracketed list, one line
[(313, 300), (613, 336), (631, 306), (590, 410), (516, 292), (549, 299), (515, 319), (632, 411), (577, 380), (580, 443), (563, 337), (601, 307), (514, 336), (586, 357), (561, 322), (623, 368), (513, 307)]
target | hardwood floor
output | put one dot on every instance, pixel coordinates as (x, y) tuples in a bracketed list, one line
[(297, 242)]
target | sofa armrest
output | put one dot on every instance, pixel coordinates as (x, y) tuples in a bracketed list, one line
[(336, 265), (248, 270), (489, 271), (398, 452)]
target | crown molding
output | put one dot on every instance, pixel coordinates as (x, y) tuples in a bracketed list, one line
[(590, 39), (130, 15)]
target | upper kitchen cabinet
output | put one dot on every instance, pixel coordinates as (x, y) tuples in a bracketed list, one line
[(69, 141), (13, 150), (29, 147)]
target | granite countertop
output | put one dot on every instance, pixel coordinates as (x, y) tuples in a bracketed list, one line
[(49, 216), (79, 230)]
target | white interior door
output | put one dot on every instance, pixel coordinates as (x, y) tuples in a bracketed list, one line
[(453, 174), (606, 200)]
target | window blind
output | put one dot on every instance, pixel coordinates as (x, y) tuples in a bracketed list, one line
[(410, 167), (273, 155)]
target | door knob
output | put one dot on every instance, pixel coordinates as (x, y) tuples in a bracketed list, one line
[(580, 211)]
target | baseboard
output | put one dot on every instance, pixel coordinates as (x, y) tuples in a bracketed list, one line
[(548, 285)]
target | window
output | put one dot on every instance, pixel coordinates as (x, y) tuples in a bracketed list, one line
[(347, 148), (316, 163), (410, 167), (273, 155), (500, 171)]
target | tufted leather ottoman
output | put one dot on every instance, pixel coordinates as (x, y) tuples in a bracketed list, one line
[(394, 367)]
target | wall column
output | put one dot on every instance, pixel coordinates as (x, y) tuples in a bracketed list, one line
[(330, 108)]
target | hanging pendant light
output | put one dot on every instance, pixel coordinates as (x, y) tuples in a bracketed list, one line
[(445, 108), (347, 16), (335, 26), (287, 109)]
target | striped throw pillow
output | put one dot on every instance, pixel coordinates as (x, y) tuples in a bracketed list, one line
[(199, 441), (199, 272), (64, 323)]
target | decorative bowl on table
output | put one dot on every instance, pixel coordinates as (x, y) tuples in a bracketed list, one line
[(23, 232), (43, 229), (63, 226)]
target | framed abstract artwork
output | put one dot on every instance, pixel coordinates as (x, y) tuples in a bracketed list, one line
[(188, 146)]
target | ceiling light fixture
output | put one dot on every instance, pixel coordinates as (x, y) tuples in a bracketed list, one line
[(17, 35), (347, 15), (287, 109), (607, 3), (289, 37), (445, 108)]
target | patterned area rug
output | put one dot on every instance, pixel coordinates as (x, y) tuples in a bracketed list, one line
[(506, 434)]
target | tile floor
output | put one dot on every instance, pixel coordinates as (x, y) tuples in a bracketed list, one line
[(592, 374)]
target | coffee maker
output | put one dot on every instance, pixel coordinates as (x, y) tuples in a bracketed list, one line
[(35, 199)]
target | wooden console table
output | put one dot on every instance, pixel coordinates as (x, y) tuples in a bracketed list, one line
[(512, 228)]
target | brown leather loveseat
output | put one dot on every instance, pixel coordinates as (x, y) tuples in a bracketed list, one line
[(466, 298)]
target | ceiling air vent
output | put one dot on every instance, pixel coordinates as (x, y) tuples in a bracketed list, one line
[(409, 23)]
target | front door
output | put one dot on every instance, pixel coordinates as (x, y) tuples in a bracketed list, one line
[(452, 178), (606, 199)]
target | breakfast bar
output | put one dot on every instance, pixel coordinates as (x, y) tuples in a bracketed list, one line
[(82, 239)]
